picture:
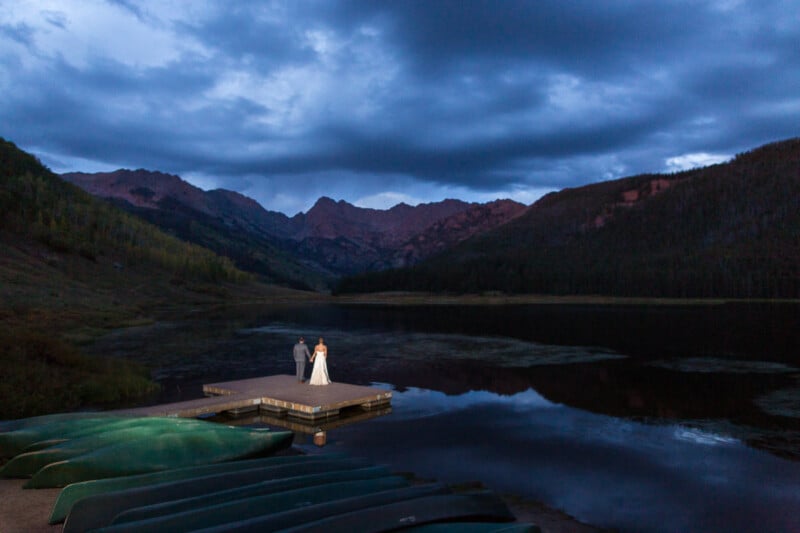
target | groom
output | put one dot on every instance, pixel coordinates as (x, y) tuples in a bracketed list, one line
[(301, 355)]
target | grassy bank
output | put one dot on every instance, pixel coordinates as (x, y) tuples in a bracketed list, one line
[(73, 268), (54, 304), (44, 373)]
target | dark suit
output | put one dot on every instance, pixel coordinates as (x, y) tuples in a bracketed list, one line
[(301, 355)]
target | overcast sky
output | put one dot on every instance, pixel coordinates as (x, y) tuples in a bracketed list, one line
[(381, 102)]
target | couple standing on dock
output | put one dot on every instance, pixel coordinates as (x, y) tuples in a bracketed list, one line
[(319, 374)]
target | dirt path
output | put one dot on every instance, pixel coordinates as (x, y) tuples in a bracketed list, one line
[(25, 511)]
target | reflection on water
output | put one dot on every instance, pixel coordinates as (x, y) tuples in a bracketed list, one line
[(300, 425), (604, 470), (634, 417), (715, 365)]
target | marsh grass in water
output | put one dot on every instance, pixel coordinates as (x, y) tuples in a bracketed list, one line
[(44, 373)]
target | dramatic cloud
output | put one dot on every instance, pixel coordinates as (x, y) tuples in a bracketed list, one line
[(381, 102)]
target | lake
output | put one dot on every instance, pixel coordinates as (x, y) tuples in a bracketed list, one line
[(639, 418)]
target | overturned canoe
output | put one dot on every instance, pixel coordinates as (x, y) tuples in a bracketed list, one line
[(262, 488), (40, 436), (478, 506), (77, 491), (314, 513), (21, 423), (28, 463), (15, 442), (237, 510), (99, 510), (162, 452), (330, 495)]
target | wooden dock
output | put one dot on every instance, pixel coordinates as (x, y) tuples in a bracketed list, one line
[(279, 395)]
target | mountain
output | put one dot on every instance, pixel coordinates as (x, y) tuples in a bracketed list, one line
[(227, 222), (73, 267), (351, 240), (150, 189), (308, 250), (38, 208), (446, 233), (729, 230), (381, 228)]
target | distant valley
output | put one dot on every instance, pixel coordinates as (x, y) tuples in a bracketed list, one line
[(309, 250), (727, 230)]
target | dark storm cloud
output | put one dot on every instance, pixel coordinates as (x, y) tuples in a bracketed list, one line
[(450, 34), (479, 166), (422, 99), (245, 32)]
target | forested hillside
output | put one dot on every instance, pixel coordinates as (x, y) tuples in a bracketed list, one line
[(73, 267), (250, 251), (728, 230), (310, 250), (226, 222), (36, 203)]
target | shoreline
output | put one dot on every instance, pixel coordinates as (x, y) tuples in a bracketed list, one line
[(27, 511), (491, 298)]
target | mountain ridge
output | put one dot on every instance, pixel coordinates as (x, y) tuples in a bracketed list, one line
[(726, 230), (331, 239)]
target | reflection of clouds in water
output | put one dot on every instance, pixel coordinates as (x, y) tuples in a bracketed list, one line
[(716, 365), (501, 351), (414, 402), (701, 437), (781, 441), (602, 469)]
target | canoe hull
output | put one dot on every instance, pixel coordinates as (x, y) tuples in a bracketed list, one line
[(77, 491), (173, 450), (99, 510)]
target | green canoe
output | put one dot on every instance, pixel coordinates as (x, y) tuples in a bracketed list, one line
[(21, 423), (77, 491), (31, 438), (14, 442), (243, 509), (27, 464), (168, 423), (249, 491), (314, 513), (480, 506), (99, 510), (162, 452)]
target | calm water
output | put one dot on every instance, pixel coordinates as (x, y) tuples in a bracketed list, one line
[(629, 417)]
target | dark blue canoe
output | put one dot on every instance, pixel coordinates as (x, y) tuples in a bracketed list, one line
[(78, 491), (472, 507), (99, 510), (249, 491), (251, 507), (297, 517)]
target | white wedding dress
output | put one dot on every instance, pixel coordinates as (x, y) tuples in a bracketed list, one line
[(319, 374)]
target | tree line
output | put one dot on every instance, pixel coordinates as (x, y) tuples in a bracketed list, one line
[(730, 230), (37, 203)]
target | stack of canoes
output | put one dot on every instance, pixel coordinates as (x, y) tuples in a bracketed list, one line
[(153, 474), (58, 451)]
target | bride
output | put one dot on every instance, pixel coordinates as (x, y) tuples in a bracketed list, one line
[(319, 374)]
